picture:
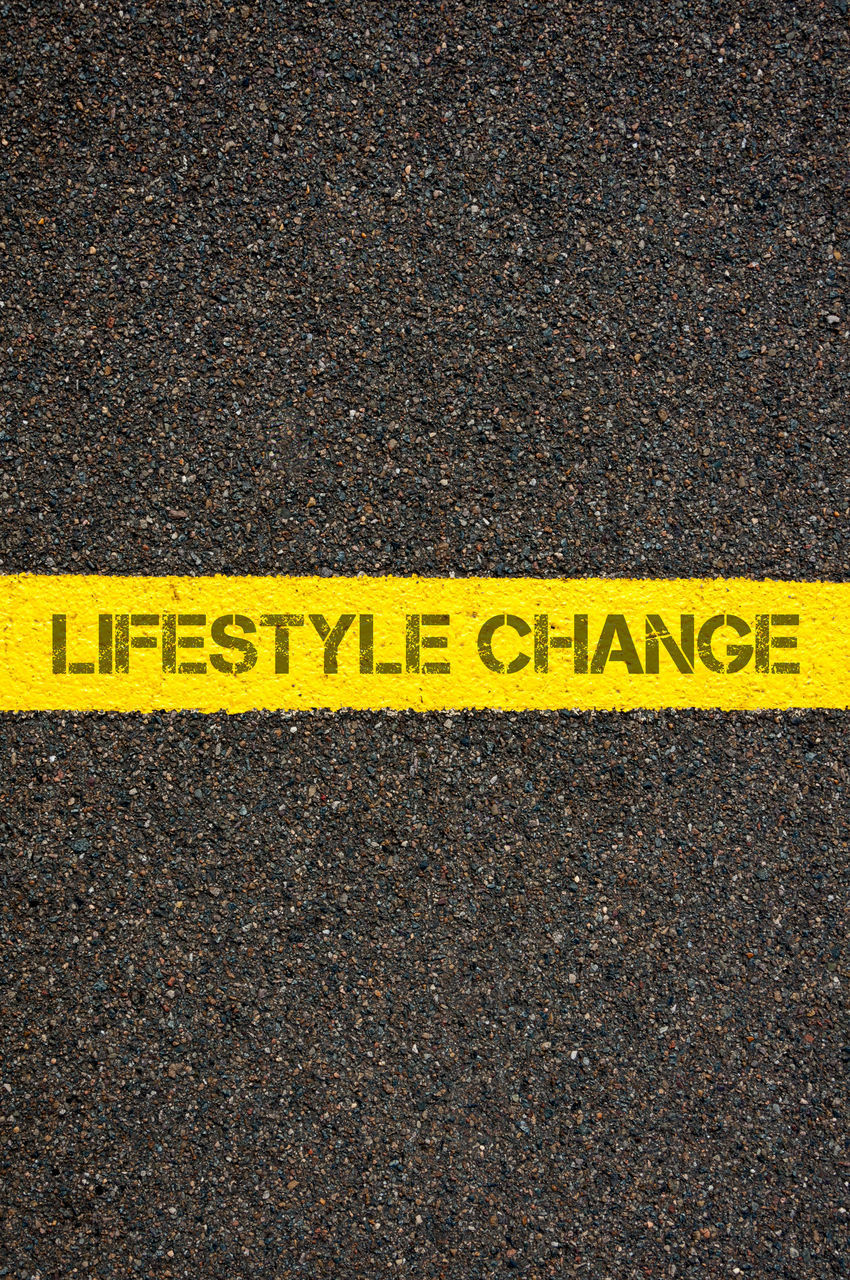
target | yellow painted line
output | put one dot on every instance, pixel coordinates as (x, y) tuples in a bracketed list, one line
[(236, 644)]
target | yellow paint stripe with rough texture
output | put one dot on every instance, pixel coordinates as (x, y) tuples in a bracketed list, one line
[(100, 633)]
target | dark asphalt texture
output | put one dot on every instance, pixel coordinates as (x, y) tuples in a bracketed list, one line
[(552, 289)]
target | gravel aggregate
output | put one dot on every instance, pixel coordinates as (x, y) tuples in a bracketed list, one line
[(526, 288)]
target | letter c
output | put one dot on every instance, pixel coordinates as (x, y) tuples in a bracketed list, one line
[(485, 643)]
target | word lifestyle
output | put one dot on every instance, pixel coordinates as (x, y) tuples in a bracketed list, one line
[(235, 642)]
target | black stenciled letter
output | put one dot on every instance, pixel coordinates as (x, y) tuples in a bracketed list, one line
[(226, 641), (60, 647), (682, 654), (765, 642), (616, 628), (740, 653), (332, 637), (485, 643), (415, 642), (172, 641), (281, 623)]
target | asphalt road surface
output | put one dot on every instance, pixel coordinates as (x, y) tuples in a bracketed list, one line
[(541, 289)]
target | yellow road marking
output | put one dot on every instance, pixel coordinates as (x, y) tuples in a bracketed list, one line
[(82, 643)]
